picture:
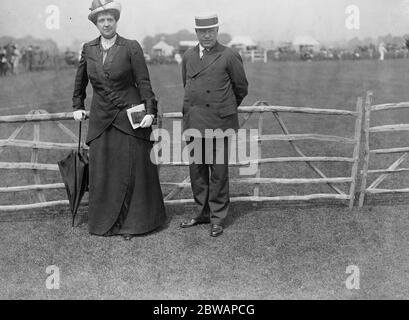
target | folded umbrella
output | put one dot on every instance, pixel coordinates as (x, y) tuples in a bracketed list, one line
[(74, 172)]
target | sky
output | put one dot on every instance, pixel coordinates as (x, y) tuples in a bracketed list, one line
[(263, 20)]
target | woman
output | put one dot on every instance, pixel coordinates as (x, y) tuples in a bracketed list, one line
[(125, 196)]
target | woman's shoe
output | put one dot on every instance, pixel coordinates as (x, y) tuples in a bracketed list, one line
[(127, 237)]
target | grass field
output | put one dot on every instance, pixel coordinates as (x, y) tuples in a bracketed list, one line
[(273, 251)]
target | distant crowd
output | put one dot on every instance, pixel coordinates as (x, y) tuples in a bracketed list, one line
[(381, 52), (34, 58), (13, 60), (10, 57), (289, 52)]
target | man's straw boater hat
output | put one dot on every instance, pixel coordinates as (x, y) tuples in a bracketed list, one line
[(98, 6), (206, 21)]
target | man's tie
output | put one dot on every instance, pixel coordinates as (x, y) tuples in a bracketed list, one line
[(202, 52)]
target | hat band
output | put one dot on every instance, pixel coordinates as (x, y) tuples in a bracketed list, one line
[(207, 22)]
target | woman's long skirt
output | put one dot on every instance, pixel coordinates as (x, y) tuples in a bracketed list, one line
[(125, 196)]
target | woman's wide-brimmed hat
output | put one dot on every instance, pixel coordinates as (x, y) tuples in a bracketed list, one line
[(98, 6), (206, 21)]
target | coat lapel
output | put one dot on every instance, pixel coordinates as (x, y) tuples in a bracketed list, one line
[(195, 62), (97, 53), (112, 53), (207, 60)]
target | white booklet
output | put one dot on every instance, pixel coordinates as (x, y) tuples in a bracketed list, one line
[(137, 111)]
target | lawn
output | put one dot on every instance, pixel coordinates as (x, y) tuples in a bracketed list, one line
[(269, 251)]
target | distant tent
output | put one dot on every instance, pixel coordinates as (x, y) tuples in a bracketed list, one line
[(188, 43), (163, 49), (185, 45), (267, 45), (302, 43), (242, 43)]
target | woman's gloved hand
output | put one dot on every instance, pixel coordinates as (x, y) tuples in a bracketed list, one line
[(147, 121), (79, 115)]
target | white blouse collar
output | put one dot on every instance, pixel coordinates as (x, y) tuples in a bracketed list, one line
[(108, 43)]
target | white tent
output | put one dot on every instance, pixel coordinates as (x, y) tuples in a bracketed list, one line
[(163, 49), (242, 42), (184, 45), (188, 43), (306, 42)]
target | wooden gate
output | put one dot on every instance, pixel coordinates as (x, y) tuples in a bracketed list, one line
[(261, 108), (392, 169)]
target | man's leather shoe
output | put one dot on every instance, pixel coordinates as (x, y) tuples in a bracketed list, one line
[(216, 230), (127, 237), (194, 222)]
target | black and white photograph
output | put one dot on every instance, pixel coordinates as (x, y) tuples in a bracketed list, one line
[(223, 152)]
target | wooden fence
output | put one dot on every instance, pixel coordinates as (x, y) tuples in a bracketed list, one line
[(392, 169), (259, 109), (36, 117), (255, 55)]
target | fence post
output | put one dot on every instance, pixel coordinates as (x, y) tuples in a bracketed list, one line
[(367, 125), (259, 155), (357, 149), (34, 159), (160, 126)]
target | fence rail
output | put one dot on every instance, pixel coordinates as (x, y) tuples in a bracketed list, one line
[(37, 117), (268, 108), (259, 109), (37, 144), (309, 197), (390, 128), (297, 137), (272, 160), (33, 187)]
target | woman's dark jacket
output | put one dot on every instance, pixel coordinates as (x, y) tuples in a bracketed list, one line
[(121, 81)]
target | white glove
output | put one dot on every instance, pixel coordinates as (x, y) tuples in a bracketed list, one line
[(79, 115), (147, 121)]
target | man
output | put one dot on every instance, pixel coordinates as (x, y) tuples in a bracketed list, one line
[(30, 58), (215, 85), (15, 58), (3, 61), (382, 51)]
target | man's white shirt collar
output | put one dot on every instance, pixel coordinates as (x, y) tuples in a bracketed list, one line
[(201, 51)]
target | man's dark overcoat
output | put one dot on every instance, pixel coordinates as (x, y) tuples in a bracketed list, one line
[(215, 85), (214, 88)]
